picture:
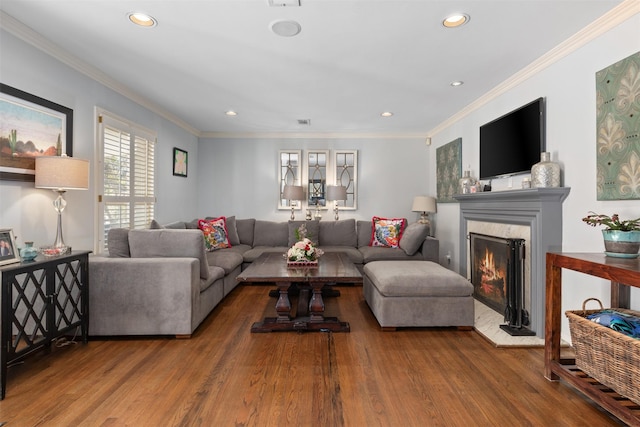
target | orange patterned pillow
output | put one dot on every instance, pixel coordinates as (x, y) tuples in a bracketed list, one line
[(387, 231), (215, 233)]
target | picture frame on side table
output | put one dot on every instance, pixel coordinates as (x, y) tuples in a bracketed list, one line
[(8, 251), (31, 126), (180, 162)]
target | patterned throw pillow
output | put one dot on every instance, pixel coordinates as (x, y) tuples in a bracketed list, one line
[(215, 233), (387, 231)]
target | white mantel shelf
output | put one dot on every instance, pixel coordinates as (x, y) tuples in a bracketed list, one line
[(538, 208)]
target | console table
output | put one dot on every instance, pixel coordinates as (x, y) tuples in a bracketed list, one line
[(622, 273), (42, 300)]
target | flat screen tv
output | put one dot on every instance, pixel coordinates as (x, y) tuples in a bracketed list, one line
[(511, 144)]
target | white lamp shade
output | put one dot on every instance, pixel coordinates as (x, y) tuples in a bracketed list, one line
[(62, 173), (336, 192), (293, 192), (424, 204)]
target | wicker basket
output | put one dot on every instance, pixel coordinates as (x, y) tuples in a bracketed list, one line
[(609, 357)]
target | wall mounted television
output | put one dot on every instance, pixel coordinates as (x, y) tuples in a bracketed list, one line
[(511, 144)]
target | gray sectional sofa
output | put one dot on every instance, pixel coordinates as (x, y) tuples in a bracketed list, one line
[(162, 281)]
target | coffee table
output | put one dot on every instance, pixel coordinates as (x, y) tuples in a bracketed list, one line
[(308, 281)]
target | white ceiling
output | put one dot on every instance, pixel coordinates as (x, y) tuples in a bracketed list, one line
[(352, 60)]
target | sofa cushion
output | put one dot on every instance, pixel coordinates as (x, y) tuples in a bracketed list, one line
[(118, 243), (169, 244), (413, 237), (313, 229), (176, 225), (270, 233), (416, 279), (227, 259), (387, 231), (215, 273), (215, 233), (364, 232), (253, 253), (354, 254), (382, 253), (245, 230), (338, 233)]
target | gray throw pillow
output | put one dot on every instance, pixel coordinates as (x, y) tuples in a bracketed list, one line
[(118, 243), (245, 230), (155, 225), (412, 237), (313, 227)]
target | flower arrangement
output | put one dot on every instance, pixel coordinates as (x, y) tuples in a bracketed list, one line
[(612, 222), (303, 252)]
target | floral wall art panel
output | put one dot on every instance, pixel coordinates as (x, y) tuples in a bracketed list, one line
[(448, 170), (618, 130)]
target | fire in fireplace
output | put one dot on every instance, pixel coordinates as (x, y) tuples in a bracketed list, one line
[(497, 266)]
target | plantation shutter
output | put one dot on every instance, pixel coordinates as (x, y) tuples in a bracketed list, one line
[(128, 176)]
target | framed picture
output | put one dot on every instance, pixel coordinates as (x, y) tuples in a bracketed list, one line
[(31, 126), (448, 170), (8, 251), (180, 162)]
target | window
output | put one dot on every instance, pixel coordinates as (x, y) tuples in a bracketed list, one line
[(126, 174)]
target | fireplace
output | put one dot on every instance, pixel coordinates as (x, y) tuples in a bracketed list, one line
[(497, 275)]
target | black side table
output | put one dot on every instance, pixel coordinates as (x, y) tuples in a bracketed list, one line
[(42, 300)]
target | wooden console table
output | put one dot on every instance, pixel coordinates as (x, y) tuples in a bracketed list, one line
[(622, 273), (42, 300)]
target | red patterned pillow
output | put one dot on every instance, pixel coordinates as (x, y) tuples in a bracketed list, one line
[(215, 233), (387, 231)]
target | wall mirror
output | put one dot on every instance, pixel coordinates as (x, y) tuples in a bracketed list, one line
[(316, 178), (289, 173), (346, 174)]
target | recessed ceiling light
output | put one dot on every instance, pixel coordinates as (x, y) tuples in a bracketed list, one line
[(231, 113), (456, 20), (386, 114), (456, 83), (142, 19), (285, 28)]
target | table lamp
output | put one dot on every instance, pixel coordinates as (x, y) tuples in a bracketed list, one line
[(335, 193), (61, 173), (425, 205), (293, 193)]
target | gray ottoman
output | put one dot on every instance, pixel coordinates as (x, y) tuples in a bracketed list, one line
[(418, 294)]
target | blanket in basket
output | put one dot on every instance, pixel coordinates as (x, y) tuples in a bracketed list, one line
[(624, 323)]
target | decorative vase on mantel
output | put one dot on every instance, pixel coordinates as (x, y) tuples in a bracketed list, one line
[(467, 184), (545, 173), (621, 244)]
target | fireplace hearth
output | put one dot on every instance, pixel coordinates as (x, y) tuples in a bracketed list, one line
[(497, 266)]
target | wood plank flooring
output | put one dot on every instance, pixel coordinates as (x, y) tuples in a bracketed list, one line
[(226, 376)]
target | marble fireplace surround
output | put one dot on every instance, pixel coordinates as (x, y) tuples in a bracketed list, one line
[(540, 209)]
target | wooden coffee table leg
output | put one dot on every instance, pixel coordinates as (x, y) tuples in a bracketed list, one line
[(316, 305), (283, 305)]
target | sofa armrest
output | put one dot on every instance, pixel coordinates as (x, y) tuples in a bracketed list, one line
[(143, 296), (431, 249)]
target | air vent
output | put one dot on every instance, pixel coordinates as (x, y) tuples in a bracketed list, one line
[(304, 122), (284, 3)]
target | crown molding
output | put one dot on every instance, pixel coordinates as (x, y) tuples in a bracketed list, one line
[(23, 32), (309, 135), (606, 22)]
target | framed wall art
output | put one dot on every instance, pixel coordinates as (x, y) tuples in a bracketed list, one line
[(180, 162), (618, 130), (448, 170), (8, 251), (31, 126)]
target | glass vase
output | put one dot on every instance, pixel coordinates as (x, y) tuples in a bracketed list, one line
[(545, 173)]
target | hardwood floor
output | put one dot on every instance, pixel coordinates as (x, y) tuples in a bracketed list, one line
[(226, 376)]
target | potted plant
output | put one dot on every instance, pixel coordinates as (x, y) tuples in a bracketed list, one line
[(621, 237)]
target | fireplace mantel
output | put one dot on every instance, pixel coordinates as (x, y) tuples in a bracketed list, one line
[(538, 208)]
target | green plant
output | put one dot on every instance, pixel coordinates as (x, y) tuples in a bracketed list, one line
[(612, 222)]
